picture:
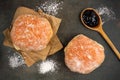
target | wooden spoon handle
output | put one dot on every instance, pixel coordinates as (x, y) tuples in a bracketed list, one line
[(109, 42)]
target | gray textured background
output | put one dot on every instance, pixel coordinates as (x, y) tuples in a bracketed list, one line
[(70, 26)]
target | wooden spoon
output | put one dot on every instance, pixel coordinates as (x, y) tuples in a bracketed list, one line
[(99, 29)]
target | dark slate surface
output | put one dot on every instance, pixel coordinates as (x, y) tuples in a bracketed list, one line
[(70, 27)]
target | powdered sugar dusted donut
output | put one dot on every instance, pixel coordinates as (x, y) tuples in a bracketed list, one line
[(31, 32), (83, 55)]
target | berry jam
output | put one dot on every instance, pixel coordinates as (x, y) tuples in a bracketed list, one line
[(90, 18)]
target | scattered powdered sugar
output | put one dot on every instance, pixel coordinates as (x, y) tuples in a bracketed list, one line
[(106, 13), (51, 7), (47, 66), (15, 60)]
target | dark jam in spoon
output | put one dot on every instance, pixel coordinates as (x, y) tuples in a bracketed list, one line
[(90, 18)]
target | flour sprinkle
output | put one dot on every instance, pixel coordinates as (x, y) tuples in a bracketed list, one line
[(51, 7), (15, 61), (47, 66), (106, 13)]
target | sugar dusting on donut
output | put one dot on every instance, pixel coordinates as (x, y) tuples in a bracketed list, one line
[(30, 32), (83, 55)]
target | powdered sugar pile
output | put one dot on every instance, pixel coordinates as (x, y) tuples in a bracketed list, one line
[(15, 60), (106, 13), (51, 7), (47, 66)]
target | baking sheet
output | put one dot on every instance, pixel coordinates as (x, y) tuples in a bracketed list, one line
[(70, 27)]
